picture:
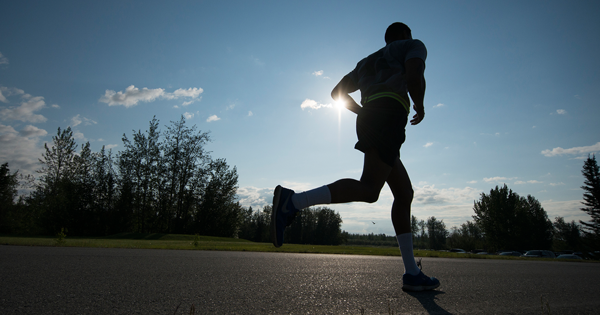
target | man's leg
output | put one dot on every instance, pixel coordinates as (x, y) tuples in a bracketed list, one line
[(399, 182), (367, 189)]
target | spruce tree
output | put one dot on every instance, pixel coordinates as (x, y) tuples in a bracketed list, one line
[(591, 199)]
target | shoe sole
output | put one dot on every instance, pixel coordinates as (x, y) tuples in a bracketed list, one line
[(407, 287), (276, 197)]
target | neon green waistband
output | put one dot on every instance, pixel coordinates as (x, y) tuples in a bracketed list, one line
[(393, 95)]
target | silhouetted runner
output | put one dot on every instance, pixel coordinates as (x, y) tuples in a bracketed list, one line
[(385, 78)]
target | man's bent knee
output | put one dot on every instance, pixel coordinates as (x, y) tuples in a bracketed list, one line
[(372, 195)]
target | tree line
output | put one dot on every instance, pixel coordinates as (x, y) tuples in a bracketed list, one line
[(313, 225), (166, 182), (162, 182)]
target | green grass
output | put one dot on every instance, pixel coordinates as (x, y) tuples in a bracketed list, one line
[(186, 242)]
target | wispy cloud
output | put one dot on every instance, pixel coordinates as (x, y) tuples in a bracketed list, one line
[(497, 179), (213, 118), (250, 114), (3, 60), (132, 96), (310, 104), (520, 182), (572, 151), (439, 105), (428, 144), (561, 111), (78, 120), (318, 73), (188, 115)]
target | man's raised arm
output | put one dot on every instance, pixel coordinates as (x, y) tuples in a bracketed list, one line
[(341, 91), (415, 80)]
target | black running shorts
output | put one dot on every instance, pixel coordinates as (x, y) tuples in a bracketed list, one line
[(381, 124)]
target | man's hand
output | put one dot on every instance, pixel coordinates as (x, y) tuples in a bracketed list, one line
[(418, 117), (341, 91)]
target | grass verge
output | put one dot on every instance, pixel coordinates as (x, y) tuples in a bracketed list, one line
[(196, 242)]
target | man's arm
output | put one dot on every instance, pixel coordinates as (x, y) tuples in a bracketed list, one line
[(415, 81), (341, 91)]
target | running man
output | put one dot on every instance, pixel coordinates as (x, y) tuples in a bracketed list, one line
[(385, 78)]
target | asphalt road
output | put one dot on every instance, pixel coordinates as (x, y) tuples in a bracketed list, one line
[(61, 280)]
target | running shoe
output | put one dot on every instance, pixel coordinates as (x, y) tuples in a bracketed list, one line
[(419, 282), (283, 213)]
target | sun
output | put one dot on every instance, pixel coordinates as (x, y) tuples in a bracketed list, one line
[(339, 104)]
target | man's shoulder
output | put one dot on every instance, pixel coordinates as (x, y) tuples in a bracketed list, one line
[(407, 44)]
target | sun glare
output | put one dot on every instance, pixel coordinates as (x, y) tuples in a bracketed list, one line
[(339, 104)]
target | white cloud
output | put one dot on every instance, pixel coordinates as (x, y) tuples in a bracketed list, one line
[(32, 131), (557, 184), (318, 73), (78, 120), (472, 182), (439, 105), (428, 144), (55, 106), (213, 118), (561, 111), (185, 104), (21, 149), (25, 111), (188, 115), (308, 103), (110, 146), (520, 182), (250, 113), (497, 179), (132, 95), (3, 60), (79, 135), (428, 194), (255, 197), (576, 150), (191, 92)]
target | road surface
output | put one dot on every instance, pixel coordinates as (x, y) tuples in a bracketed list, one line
[(63, 280)]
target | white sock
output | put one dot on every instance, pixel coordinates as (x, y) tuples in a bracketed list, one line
[(406, 248), (317, 196)]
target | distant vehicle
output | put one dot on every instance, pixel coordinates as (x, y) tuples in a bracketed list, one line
[(458, 250), (539, 254), (482, 253), (512, 253), (568, 256)]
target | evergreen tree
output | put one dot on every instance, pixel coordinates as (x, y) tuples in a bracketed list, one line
[(591, 200), (8, 193)]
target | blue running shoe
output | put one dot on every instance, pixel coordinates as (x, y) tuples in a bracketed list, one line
[(419, 282), (283, 213)]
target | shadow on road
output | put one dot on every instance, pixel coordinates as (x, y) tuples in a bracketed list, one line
[(427, 299)]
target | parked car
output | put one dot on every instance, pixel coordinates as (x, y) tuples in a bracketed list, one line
[(458, 250), (482, 253), (511, 253), (539, 253), (568, 256)]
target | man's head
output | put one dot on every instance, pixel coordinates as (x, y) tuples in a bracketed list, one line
[(397, 31)]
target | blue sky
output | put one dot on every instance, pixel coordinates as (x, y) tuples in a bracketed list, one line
[(512, 91)]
